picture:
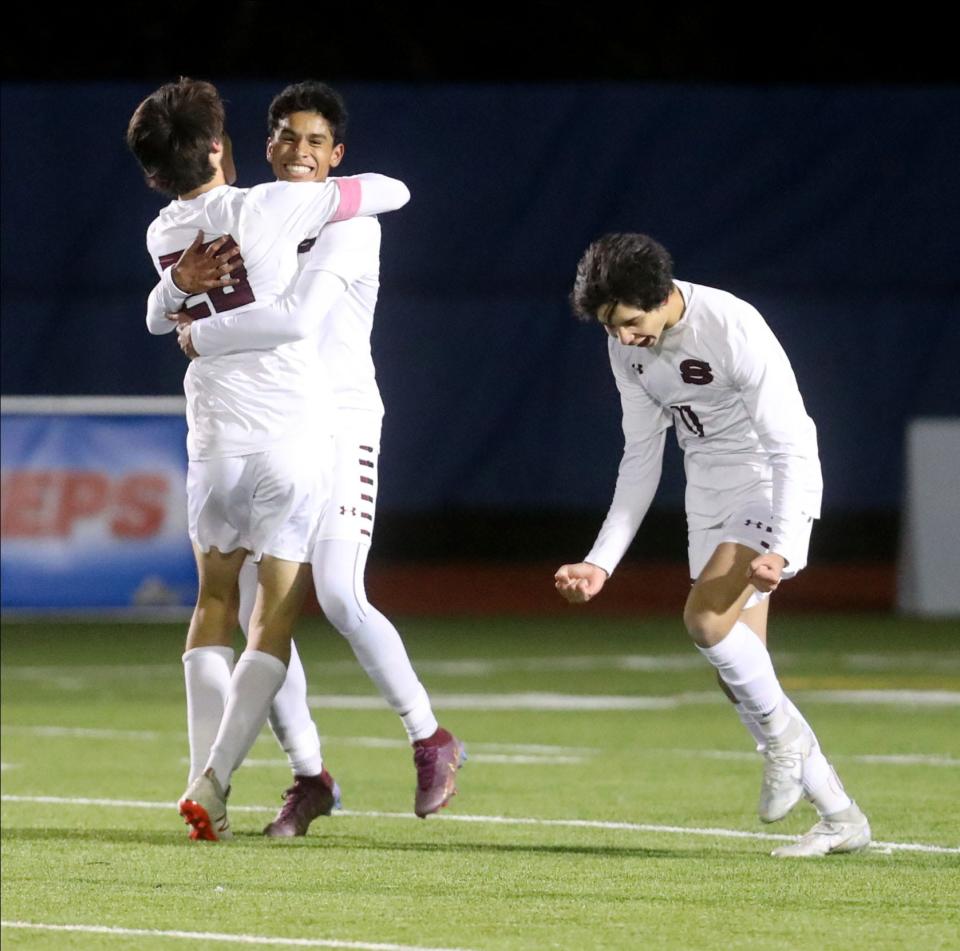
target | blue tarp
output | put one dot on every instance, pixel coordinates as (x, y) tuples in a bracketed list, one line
[(835, 211)]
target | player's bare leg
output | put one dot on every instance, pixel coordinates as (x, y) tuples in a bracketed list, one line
[(282, 587), (795, 766), (712, 615), (208, 653), (842, 826), (719, 595), (256, 678), (214, 617)]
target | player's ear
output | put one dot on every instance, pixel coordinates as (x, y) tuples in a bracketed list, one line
[(336, 156), (270, 144)]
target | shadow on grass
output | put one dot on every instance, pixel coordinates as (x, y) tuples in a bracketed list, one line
[(247, 840), (117, 836)]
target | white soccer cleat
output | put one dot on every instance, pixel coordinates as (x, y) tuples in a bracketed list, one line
[(846, 831), (784, 756), (204, 808)]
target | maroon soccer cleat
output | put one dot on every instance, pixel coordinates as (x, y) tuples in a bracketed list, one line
[(307, 798), (437, 759)]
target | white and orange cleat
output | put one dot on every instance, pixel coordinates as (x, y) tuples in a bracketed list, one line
[(204, 808)]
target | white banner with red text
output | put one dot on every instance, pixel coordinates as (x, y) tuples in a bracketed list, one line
[(94, 505)]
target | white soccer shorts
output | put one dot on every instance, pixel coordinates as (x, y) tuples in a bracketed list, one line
[(269, 503), (353, 497), (749, 526)]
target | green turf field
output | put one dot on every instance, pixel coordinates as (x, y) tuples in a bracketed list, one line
[(609, 800)]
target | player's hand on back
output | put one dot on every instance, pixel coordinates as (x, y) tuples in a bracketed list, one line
[(765, 571), (579, 583), (180, 317), (186, 343), (202, 269)]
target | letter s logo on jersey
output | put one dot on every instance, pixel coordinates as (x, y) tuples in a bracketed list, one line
[(696, 371)]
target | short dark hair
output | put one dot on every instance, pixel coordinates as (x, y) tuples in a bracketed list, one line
[(310, 96), (630, 269), (172, 132)]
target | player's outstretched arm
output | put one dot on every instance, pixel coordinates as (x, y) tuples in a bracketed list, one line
[(369, 194), (579, 583), (340, 256), (294, 317)]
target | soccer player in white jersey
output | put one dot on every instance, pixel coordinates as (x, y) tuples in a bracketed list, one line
[(705, 362), (306, 132), (254, 485)]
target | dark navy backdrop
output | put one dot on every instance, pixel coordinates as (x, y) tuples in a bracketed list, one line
[(834, 210)]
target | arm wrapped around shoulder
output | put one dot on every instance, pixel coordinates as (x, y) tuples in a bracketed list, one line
[(370, 194), (287, 320), (165, 298)]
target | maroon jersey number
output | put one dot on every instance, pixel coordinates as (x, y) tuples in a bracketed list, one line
[(696, 371), (221, 299), (690, 419)]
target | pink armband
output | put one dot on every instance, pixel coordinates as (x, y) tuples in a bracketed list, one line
[(350, 193)]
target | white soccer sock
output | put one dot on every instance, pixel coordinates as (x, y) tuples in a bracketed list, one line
[(750, 722), (381, 653), (821, 784), (291, 722), (206, 674), (256, 679), (745, 667), (290, 717)]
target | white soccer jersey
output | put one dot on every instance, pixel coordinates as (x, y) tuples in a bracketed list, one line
[(243, 402), (351, 250), (721, 378)]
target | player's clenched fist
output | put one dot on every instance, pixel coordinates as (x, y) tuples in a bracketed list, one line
[(765, 571), (579, 583)]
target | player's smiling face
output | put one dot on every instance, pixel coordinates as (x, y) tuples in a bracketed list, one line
[(301, 148), (634, 327)]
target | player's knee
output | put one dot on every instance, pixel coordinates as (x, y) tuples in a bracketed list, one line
[(341, 606), (219, 602), (707, 628)]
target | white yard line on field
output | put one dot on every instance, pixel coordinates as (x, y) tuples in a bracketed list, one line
[(224, 937), (902, 759), (498, 820), (532, 700), (929, 662), (86, 733), (506, 759), (521, 753), (897, 698), (479, 752), (522, 701), (377, 742)]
